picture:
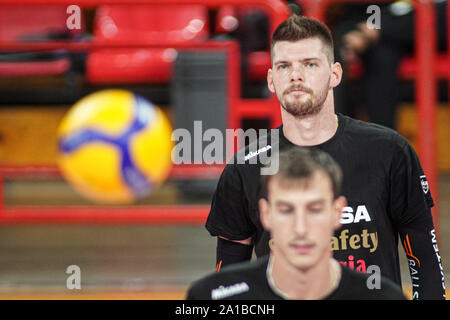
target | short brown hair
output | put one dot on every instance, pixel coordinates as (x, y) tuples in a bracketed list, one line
[(297, 28), (297, 165)]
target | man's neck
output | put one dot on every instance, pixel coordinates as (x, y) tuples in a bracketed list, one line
[(311, 284), (310, 130)]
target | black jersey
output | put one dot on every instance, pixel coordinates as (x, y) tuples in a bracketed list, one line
[(248, 281), (387, 195)]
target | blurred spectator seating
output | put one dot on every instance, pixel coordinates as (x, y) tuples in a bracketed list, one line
[(149, 24), (33, 23)]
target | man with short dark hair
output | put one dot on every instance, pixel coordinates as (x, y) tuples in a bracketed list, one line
[(386, 189), (302, 210)]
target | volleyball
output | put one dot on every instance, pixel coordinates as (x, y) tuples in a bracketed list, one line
[(114, 146)]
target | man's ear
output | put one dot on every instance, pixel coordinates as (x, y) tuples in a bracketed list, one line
[(339, 205), (270, 81), (264, 213), (336, 74)]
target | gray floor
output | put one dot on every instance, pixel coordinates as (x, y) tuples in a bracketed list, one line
[(108, 256), (123, 256)]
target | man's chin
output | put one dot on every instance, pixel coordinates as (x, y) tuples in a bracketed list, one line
[(302, 112), (303, 264)]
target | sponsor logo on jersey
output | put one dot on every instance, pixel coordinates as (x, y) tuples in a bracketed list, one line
[(355, 264), (438, 257), (354, 239), (346, 241), (424, 183), (414, 263), (414, 266), (349, 215), (253, 154), (232, 290)]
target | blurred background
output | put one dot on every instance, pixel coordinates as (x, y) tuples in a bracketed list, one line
[(195, 60)]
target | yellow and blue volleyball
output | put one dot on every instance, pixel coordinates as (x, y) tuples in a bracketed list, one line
[(114, 146)]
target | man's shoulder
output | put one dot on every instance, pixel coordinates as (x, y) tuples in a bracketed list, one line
[(368, 132), (367, 286), (369, 128), (232, 280)]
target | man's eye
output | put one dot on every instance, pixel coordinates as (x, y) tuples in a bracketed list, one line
[(316, 210), (311, 64), (285, 210), (282, 66)]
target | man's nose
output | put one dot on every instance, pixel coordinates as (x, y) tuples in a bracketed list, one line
[(301, 224), (297, 74)]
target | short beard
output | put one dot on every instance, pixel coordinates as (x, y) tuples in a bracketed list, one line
[(301, 109), (307, 108)]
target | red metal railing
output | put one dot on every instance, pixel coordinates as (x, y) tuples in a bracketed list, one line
[(185, 214)]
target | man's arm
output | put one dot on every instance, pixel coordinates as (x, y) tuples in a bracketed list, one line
[(232, 251), (424, 261), (411, 203), (229, 219)]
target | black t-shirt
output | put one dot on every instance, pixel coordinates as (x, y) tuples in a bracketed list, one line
[(387, 195), (248, 281)]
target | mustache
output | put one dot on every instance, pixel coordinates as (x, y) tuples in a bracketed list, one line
[(301, 242), (297, 87)]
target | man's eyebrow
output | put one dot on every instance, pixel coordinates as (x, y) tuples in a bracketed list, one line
[(280, 62), (305, 60), (282, 203), (309, 59), (311, 203), (318, 201)]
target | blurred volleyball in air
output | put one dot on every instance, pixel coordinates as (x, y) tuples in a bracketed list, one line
[(114, 146)]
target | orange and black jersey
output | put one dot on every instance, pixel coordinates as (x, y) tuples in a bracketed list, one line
[(248, 281), (387, 193)]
